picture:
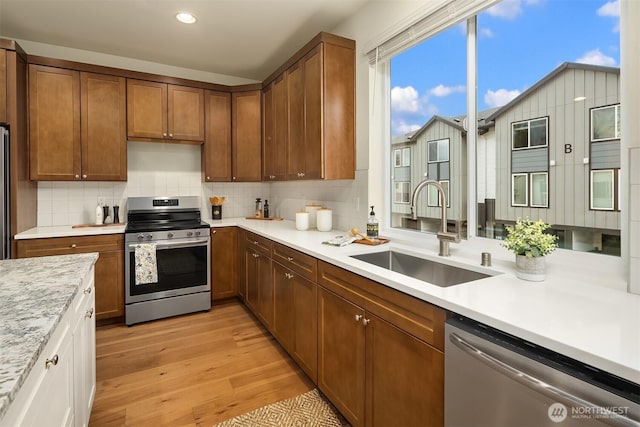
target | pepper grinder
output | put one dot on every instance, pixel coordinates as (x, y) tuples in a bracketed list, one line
[(105, 212), (116, 217)]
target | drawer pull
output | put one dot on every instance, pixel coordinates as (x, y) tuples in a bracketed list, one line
[(214, 231), (89, 313), (53, 361), (365, 321), (358, 317), (255, 255), (255, 242), (289, 258), (88, 290), (73, 245), (288, 275)]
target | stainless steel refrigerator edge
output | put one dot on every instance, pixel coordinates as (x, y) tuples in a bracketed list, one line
[(5, 196)]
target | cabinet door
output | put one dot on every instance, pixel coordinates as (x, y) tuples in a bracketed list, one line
[(110, 285), (146, 109), (3, 86), (185, 113), (295, 98), (223, 263), (341, 355), (84, 360), (246, 138), (104, 129), (275, 128), (313, 107), (283, 306), (216, 150), (268, 135), (251, 278), (54, 123), (241, 265), (405, 378), (265, 291), (305, 313)]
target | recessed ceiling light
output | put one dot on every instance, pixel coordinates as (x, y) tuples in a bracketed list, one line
[(185, 17), (579, 98)]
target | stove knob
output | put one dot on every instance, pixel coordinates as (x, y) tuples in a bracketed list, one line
[(169, 235), (197, 233), (149, 236), (140, 236), (189, 233)]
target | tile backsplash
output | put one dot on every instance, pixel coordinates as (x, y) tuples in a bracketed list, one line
[(159, 169)]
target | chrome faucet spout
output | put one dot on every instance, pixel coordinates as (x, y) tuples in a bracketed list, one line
[(443, 236)]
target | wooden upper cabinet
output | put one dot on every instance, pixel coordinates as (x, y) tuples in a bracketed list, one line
[(164, 112), (54, 123), (76, 125), (103, 124), (275, 118), (246, 141), (3, 86), (321, 101), (216, 150)]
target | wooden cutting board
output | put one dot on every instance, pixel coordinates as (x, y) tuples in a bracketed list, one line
[(98, 225), (275, 218), (380, 241)]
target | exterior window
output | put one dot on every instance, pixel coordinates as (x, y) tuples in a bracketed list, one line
[(438, 151), (433, 197), (401, 192), (519, 190), (530, 134), (540, 190), (605, 123), (402, 157), (602, 190)]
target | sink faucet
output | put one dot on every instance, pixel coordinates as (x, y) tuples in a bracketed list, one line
[(444, 237)]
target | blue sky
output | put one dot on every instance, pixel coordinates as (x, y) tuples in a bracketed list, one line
[(519, 42)]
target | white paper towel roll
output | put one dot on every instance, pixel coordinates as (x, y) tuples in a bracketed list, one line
[(302, 221), (324, 220)]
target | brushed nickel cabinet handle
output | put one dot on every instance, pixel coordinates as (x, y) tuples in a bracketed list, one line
[(170, 135), (358, 317), (88, 290), (164, 134), (53, 361), (84, 176), (208, 178), (289, 258), (365, 321), (73, 245), (255, 255), (214, 231), (89, 313), (288, 275), (77, 176)]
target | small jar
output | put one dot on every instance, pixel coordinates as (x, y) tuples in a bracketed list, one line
[(302, 221), (324, 220)]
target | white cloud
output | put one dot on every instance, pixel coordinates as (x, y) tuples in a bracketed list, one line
[(401, 127), (442, 90), (499, 97), (508, 9), (486, 32), (595, 57), (611, 8), (405, 100)]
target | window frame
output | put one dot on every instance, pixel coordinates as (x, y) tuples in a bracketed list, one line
[(408, 192), (431, 189), (529, 146), (616, 122), (437, 142), (615, 204), (526, 190), (402, 157), (531, 175)]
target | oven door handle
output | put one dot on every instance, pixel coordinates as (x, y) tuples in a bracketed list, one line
[(535, 383), (176, 244)]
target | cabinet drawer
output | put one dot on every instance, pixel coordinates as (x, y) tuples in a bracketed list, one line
[(259, 243), (303, 264), (419, 318), (70, 245)]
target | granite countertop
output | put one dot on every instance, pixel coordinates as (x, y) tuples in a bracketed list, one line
[(35, 295)]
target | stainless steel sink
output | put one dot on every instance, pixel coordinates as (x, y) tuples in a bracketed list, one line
[(433, 272)]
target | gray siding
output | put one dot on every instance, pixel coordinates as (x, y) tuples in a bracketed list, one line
[(530, 160), (605, 155), (568, 124)]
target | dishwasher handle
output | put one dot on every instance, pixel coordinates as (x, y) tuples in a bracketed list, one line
[(537, 384), (175, 244)]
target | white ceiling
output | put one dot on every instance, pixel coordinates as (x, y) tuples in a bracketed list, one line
[(242, 38)]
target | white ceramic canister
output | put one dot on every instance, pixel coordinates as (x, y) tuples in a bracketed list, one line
[(302, 221), (324, 220), (312, 209)]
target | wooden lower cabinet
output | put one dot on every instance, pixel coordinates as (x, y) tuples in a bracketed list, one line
[(223, 263), (259, 284), (295, 317), (109, 269)]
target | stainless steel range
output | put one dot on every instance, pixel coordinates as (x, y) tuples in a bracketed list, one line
[(176, 247)]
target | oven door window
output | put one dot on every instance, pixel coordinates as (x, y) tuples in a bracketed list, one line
[(178, 268)]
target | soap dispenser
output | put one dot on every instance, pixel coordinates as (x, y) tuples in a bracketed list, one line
[(372, 225), (99, 215)]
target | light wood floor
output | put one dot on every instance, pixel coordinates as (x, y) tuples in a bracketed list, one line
[(192, 370)]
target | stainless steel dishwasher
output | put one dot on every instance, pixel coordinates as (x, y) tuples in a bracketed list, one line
[(494, 379)]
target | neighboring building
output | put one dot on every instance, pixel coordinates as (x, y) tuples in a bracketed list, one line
[(558, 157), (552, 153)]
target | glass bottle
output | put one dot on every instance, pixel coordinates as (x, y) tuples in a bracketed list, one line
[(266, 209), (258, 207), (372, 225)]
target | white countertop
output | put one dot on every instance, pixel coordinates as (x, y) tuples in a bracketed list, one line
[(68, 231), (581, 310)]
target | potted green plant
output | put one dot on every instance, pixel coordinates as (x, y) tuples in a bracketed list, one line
[(528, 240)]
